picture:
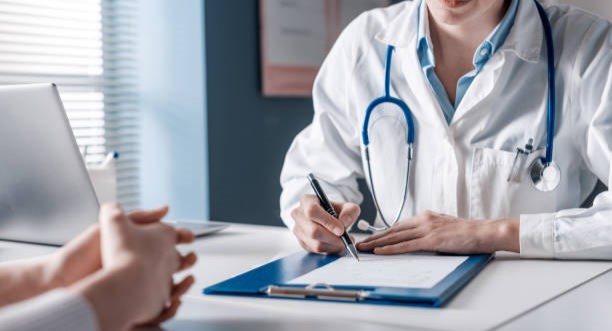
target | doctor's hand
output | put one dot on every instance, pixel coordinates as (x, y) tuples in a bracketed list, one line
[(435, 232), (319, 232)]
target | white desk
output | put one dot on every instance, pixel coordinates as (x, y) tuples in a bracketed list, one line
[(509, 294)]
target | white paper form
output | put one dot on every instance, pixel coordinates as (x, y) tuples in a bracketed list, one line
[(408, 271)]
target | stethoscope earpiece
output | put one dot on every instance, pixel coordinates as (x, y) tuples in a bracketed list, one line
[(363, 225)]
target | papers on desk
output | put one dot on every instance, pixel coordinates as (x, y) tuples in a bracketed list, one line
[(426, 280), (407, 271)]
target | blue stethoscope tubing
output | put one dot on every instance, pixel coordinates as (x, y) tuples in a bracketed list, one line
[(539, 166), (552, 104), (544, 172), (387, 98)]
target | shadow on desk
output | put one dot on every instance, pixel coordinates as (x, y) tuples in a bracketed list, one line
[(267, 325), (240, 240), (221, 234)]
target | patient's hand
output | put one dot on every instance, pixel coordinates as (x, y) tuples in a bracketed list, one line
[(139, 258), (24, 279), (75, 260), (81, 256)]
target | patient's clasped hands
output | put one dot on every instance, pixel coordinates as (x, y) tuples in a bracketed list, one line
[(124, 267)]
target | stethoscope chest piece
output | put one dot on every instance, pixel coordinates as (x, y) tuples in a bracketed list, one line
[(545, 178)]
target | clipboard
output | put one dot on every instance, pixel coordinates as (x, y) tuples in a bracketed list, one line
[(271, 281)]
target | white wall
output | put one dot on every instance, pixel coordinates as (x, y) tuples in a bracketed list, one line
[(602, 8)]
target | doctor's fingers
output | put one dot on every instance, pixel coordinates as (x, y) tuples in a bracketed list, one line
[(390, 239), (320, 247), (348, 212), (403, 247), (312, 230), (401, 226), (311, 208), (315, 238)]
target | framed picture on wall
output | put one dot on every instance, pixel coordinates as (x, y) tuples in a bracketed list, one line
[(296, 36)]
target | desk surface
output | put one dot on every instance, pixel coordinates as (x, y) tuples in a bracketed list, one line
[(510, 294)]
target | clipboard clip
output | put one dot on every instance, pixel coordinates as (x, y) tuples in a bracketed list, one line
[(316, 291)]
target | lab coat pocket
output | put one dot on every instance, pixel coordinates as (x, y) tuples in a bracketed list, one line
[(493, 196)]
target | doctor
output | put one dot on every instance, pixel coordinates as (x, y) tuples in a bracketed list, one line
[(479, 159)]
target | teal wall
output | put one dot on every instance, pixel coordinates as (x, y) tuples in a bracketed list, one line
[(248, 134), (205, 125)]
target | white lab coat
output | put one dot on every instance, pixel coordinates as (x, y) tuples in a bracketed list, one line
[(461, 169)]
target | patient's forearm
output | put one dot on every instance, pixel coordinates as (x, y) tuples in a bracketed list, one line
[(22, 280)]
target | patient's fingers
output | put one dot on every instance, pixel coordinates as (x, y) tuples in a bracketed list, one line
[(166, 314), (149, 216), (181, 288), (187, 261), (184, 236), (178, 291)]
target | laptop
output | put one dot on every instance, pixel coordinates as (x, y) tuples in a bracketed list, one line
[(199, 228), (46, 195)]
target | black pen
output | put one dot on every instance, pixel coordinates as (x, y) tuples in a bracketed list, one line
[(348, 243)]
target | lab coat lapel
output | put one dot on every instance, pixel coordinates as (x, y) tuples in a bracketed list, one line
[(408, 82), (524, 40), (481, 87), (426, 108)]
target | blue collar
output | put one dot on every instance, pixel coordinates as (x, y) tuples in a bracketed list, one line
[(488, 47), (483, 53)]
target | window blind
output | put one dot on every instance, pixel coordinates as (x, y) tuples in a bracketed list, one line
[(88, 48)]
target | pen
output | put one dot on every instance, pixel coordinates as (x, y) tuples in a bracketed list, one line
[(348, 243), (109, 157)]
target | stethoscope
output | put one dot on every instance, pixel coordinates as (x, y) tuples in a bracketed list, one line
[(543, 172)]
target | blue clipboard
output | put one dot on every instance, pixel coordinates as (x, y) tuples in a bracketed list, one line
[(270, 281)]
